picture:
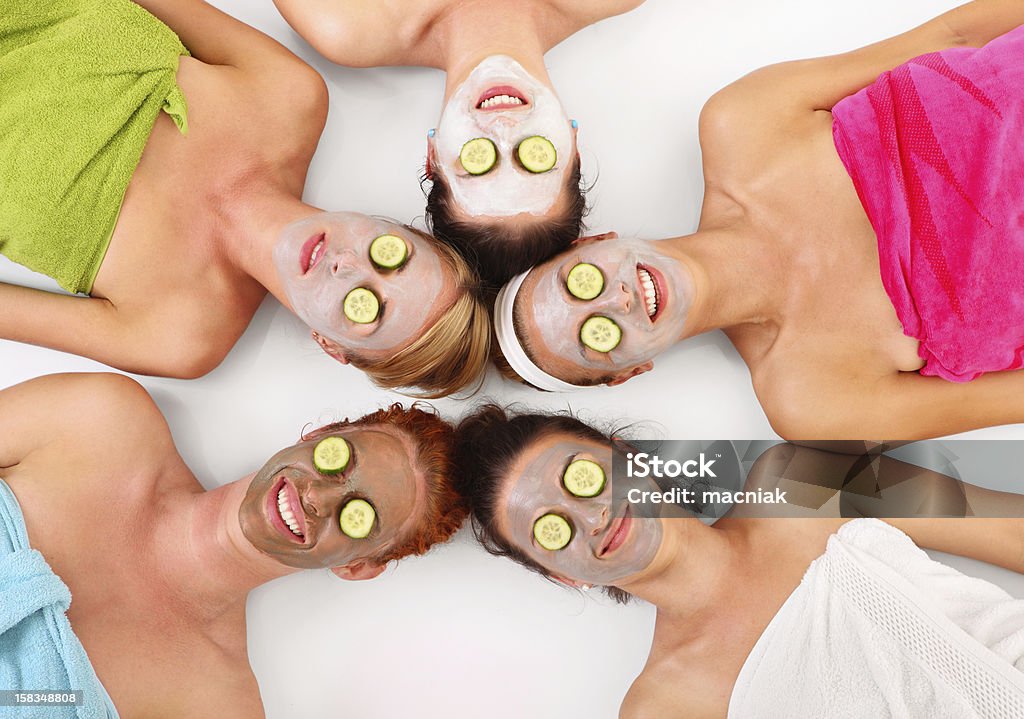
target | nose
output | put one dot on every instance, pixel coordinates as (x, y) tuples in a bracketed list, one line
[(344, 262), (322, 495), (593, 521), (619, 297)]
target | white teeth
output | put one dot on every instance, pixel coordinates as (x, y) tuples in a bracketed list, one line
[(500, 100), (316, 253), (650, 291), (285, 510)]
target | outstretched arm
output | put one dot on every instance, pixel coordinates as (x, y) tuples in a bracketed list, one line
[(907, 406), (216, 38), (356, 33), (820, 83), (96, 329)]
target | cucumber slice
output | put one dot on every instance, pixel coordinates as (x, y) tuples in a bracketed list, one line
[(478, 156), (552, 532), (357, 518), (331, 455), (600, 334), (537, 154), (361, 306), (584, 478), (585, 281), (389, 252)]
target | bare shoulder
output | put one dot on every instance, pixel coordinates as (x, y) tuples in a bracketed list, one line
[(748, 125), (82, 413)]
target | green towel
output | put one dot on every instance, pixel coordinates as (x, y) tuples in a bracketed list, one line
[(81, 84)]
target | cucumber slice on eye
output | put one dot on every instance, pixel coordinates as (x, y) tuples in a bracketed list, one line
[(585, 281), (361, 306), (537, 154), (584, 478), (552, 532), (389, 252), (357, 518), (331, 455), (478, 156), (600, 334)]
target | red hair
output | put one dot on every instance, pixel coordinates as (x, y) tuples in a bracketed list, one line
[(444, 508)]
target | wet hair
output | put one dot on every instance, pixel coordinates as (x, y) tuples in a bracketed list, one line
[(444, 508), (488, 443), (450, 355), (498, 249)]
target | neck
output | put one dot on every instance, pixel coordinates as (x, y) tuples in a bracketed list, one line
[(690, 571), (732, 280), (249, 246), (205, 555), (477, 29)]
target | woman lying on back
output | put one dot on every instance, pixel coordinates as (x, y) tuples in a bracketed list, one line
[(760, 618), (503, 166), (95, 499), (863, 297), (166, 183)]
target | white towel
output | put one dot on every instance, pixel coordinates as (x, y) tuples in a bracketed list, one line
[(878, 629)]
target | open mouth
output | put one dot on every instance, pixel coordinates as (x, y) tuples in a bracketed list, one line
[(616, 534), (501, 97), (312, 252), (651, 287), (285, 511)]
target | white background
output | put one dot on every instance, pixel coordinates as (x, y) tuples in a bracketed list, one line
[(459, 633)]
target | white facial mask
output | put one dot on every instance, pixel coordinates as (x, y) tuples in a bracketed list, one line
[(552, 317), (412, 297), (507, 189)]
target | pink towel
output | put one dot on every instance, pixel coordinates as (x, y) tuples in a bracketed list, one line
[(935, 149)]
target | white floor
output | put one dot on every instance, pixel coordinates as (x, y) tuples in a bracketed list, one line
[(459, 633)]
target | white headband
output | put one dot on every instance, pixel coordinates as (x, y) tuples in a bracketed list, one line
[(514, 353)]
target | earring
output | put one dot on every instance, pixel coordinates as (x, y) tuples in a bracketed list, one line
[(431, 132), (575, 125), (586, 587)]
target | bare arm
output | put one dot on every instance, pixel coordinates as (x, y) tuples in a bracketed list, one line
[(356, 33), (219, 39), (96, 329), (818, 84), (907, 406)]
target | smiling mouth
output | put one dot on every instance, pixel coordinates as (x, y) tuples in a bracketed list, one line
[(286, 512), (651, 291), (312, 252), (616, 534), (502, 97)]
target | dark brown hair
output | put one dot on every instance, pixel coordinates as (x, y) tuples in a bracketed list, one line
[(488, 442), (499, 250), (444, 508)]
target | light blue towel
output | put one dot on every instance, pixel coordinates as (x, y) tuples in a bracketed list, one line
[(38, 649)]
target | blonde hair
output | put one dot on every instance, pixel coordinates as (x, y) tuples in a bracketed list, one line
[(453, 353)]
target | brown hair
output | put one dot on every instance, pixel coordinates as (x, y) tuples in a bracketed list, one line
[(488, 443), (453, 353), (499, 249), (506, 371), (444, 508)]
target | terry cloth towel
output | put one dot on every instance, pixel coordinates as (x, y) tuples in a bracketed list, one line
[(935, 151), (38, 649), (81, 84), (878, 629)]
